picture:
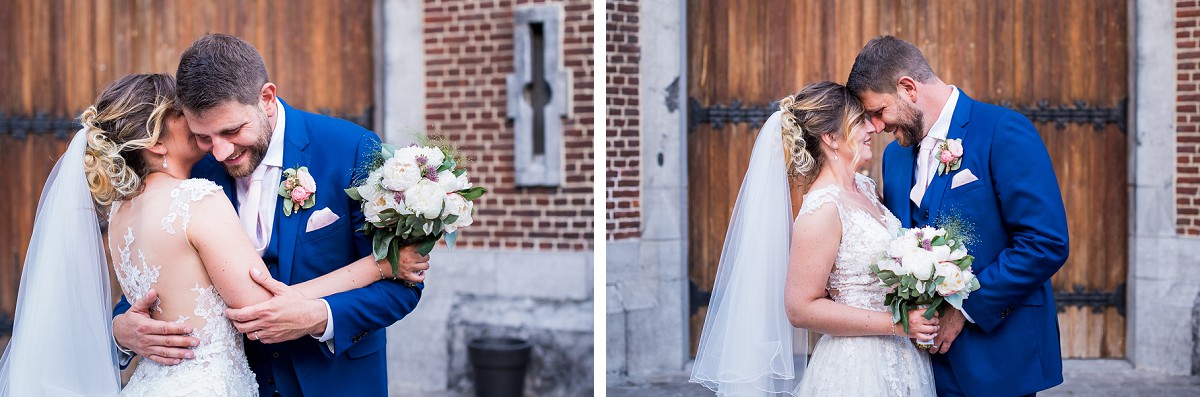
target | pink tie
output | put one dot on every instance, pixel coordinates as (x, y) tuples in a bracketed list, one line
[(924, 169), (248, 210)]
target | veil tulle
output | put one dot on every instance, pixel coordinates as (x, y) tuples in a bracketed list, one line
[(746, 346), (62, 332)]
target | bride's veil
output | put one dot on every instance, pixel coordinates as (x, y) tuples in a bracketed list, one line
[(746, 346), (62, 332)]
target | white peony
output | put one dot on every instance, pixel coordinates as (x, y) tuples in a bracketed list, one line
[(458, 206), (954, 279), (448, 181), (940, 252), (377, 203), (891, 265), (426, 199), (903, 244), (433, 156), (958, 254), (399, 174), (919, 263)]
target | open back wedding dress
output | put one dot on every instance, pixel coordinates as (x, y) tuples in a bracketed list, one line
[(150, 249)]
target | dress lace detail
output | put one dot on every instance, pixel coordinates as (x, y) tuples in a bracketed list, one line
[(862, 365), (182, 197), (219, 367)]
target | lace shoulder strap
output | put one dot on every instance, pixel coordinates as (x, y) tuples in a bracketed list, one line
[(182, 197), (866, 185), (819, 197)]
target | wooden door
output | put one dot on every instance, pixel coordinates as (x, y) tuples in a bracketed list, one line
[(1021, 53), (56, 56)]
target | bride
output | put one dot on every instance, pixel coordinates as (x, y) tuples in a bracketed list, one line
[(170, 235), (813, 274)]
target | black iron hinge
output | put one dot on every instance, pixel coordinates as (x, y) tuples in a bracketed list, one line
[(1042, 112), (1097, 300), (696, 297), (63, 128)]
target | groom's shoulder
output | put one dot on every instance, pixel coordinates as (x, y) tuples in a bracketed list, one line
[(335, 134)]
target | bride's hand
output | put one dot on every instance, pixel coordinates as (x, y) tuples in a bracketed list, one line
[(921, 328)]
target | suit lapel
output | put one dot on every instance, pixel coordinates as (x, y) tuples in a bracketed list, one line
[(932, 201), (294, 156)]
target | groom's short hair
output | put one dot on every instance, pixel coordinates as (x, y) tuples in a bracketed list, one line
[(217, 68), (883, 61)]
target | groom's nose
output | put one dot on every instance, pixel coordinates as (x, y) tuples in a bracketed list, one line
[(221, 149)]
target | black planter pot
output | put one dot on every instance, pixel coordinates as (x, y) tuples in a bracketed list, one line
[(499, 366)]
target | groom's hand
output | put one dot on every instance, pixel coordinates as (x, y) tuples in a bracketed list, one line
[(163, 342), (286, 316), (951, 326)]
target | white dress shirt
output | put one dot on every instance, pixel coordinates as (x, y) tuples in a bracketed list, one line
[(272, 176), (926, 160)]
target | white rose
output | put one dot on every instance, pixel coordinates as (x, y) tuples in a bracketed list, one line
[(919, 263), (458, 206), (399, 174), (953, 279), (425, 199), (955, 147), (448, 181)]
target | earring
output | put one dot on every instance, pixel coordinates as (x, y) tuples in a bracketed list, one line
[(165, 166), (835, 157)]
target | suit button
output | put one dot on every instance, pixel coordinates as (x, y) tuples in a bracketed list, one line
[(275, 354), (926, 214)]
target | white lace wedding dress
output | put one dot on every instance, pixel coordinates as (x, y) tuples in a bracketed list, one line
[(862, 365), (219, 367)]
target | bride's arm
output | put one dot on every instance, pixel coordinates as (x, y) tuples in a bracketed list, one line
[(815, 241), (228, 256)]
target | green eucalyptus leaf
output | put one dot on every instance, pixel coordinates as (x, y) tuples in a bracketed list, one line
[(353, 193), (473, 193), (426, 246)]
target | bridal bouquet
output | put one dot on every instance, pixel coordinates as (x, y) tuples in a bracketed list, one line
[(925, 268), (414, 195)]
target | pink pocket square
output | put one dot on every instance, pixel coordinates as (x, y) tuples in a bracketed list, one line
[(320, 219)]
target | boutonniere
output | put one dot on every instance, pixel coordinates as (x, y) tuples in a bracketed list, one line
[(298, 189), (950, 156)]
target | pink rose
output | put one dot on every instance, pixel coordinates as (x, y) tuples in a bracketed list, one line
[(300, 194), (946, 156), (287, 184), (955, 147)]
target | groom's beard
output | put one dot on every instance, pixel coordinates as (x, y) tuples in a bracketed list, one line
[(257, 152), (910, 130)]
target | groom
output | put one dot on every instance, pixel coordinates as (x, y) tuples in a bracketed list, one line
[(1005, 341), (297, 346)]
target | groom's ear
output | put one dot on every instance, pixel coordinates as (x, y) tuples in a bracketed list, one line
[(266, 95), (906, 88)]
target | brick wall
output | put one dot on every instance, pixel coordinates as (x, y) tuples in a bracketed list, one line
[(1187, 164), (623, 144), (468, 52)]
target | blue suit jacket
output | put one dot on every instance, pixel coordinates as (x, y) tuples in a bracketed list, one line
[(1019, 227), (334, 150)]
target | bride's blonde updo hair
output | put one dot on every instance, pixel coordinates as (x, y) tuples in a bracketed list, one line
[(130, 115), (819, 109)]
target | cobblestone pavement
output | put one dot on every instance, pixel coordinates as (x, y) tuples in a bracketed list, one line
[(1101, 378)]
